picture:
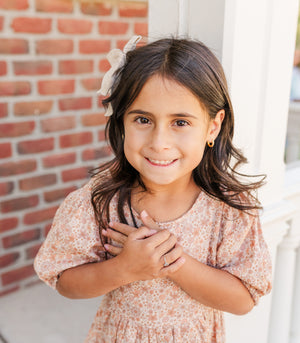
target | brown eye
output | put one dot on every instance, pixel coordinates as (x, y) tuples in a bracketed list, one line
[(181, 122), (142, 120)]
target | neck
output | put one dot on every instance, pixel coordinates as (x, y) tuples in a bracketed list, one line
[(165, 203)]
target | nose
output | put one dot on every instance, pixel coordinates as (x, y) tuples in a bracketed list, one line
[(161, 139)]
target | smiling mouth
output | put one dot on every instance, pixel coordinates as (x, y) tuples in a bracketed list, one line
[(160, 163)]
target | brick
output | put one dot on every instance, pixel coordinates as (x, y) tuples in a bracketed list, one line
[(16, 168), (31, 25), (58, 194), (37, 182), (58, 124), (10, 88), (94, 119), (131, 9), (21, 238), (1, 23), (5, 150), (32, 68), (112, 27), (36, 146), (16, 129), (141, 29), (40, 216), (60, 6), (95, 154), (75, 104), (32, 251), (94, 46), (75, 174), (96, 8), (8, 224), (3, 110), (74, 26), (8, 259), (75, 139), (76, 67), (53, 87), (104, 65), (54, 46), (3, 68), (19, 204), (47, 229), (13, 46), (91, 84), (32, 107), (14, 4), (6, 188), (59, 160), (17, 275)]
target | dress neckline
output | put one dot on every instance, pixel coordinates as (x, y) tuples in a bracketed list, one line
[(178, 219)]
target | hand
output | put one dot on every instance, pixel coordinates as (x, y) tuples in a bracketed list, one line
[(146, 250), (121, 232)]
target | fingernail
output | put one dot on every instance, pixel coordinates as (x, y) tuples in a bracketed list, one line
[(104, 232), (106, 246), (111, 224), (152, 232)]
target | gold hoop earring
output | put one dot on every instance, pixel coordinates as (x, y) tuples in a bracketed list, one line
[(211, 144)]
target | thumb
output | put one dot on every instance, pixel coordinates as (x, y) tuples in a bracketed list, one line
[(148, 221)]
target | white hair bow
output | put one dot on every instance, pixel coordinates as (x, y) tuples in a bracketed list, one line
[(117, 59)]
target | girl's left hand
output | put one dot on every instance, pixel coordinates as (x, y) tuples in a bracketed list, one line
[(123, 230)]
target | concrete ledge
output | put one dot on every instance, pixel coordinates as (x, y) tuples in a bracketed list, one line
[(40, 315)]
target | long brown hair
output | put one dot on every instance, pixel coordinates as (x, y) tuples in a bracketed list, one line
[(194, 66)]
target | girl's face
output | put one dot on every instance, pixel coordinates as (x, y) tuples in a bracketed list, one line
[(166, 130)]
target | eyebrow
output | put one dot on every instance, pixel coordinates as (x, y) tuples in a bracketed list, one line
[(180, 115)]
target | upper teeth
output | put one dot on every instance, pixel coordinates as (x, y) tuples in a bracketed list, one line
[(160, 162)]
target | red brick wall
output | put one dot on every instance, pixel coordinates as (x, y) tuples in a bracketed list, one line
[(52, 58)]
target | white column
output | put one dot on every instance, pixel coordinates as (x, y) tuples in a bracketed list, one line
[(295, 235), (280, 320), (295, 326)]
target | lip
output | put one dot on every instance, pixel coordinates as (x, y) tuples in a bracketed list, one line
[(160, 163)]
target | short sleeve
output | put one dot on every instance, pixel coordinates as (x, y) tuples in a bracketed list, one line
[(243, 252), (73, 239)]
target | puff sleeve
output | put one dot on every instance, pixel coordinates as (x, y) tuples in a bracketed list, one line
[(73, 239), (243, 252)]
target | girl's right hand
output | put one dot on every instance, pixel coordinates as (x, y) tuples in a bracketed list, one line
[(146, 251)]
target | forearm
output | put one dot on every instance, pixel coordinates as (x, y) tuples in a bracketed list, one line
[(213, 287), (92, 280)]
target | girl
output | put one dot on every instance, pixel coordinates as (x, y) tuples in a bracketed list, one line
[(166, 231)]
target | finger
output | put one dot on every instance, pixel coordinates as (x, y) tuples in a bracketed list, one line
[(148, 221), (142, 233), (172, 268), (173, 255), (112, 249), (159, 237), (115, 235), (166, 246), (122, 228)]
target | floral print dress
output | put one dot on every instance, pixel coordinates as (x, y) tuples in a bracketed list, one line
[(159, 310)]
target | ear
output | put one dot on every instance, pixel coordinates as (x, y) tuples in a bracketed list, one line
[(215, 125)]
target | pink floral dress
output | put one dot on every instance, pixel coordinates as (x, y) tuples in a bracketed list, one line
[(158, 310)]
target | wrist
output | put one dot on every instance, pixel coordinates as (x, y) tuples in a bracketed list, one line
[(123, 270)]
